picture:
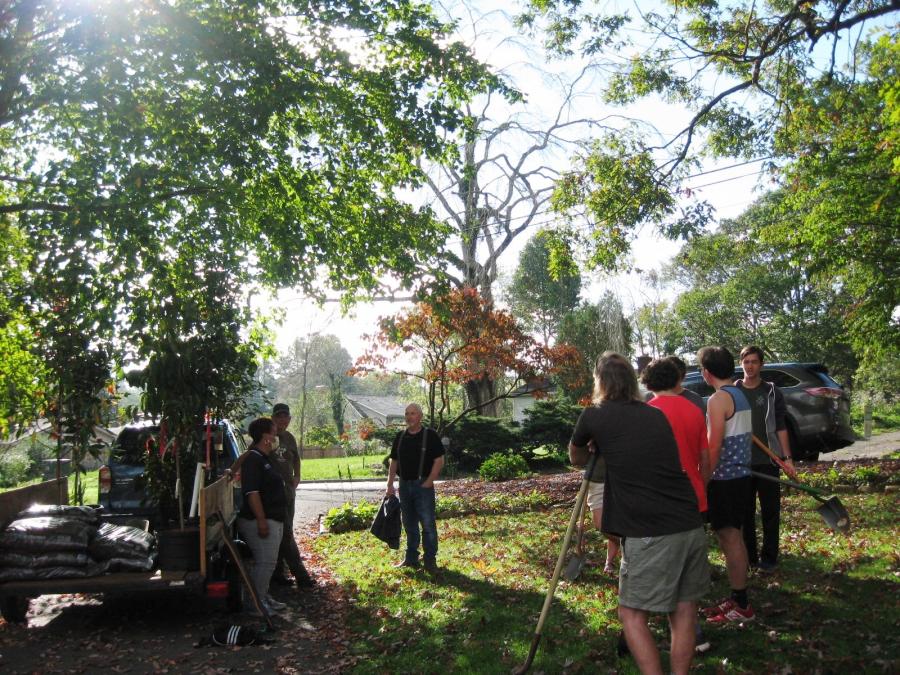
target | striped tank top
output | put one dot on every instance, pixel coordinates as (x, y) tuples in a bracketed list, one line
[(734, 459)]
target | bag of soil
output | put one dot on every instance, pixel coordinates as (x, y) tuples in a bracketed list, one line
[(46, 533), (144, 564), (46, 559), (121, 541), (87, 514), (31, 573)]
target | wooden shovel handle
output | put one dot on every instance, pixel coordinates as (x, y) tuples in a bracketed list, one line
[(775, 458)]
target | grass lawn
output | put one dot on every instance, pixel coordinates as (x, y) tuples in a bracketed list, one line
[(91, 487), (885, 418), (341, 467), (831, 607)]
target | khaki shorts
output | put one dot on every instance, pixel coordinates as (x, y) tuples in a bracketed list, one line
[(595, 496), (657, 573)]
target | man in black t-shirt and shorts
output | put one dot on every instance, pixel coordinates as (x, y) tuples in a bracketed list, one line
[(417, 456), (649, 502)]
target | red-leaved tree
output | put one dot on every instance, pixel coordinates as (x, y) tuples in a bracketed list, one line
[(462, 339)]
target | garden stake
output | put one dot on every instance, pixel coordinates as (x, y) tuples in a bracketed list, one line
[(579, 504), (832, 511)]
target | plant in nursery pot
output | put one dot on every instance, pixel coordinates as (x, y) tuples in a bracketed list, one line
[(197, 364)]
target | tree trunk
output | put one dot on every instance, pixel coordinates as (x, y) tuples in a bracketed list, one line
[(479, 392)]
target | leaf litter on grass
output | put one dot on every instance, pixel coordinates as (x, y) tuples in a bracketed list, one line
[(481, 609)]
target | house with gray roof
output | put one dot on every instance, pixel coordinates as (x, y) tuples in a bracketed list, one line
[(384, 411)]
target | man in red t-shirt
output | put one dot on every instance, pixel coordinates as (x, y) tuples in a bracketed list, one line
[(688, 424)]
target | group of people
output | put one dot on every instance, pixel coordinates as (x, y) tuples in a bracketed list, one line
[(669, 465), (270, 473), (673, 463)]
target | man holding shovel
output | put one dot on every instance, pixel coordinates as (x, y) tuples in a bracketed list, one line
[(768, 412)]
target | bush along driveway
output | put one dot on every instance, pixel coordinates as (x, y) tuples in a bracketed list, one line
[(830, 607)]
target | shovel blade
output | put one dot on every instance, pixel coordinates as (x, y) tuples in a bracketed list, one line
[(835, 514), (573, 567)]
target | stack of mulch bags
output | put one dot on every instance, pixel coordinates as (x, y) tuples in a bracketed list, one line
[(57, 542)]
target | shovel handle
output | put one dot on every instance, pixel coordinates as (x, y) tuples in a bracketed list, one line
[(573, 519), (775, 458), (800, 486)]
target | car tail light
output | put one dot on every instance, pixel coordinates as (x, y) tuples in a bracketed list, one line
[(105, 479), (825, 392)]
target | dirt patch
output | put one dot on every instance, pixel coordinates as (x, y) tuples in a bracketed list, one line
[(158, 633)]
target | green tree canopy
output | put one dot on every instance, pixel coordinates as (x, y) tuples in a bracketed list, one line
[(810, 86), (742, 290), (592, 328), (545, 286), (147, 147)]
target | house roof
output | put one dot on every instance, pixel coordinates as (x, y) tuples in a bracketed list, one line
[(382, 406), (529, 388)]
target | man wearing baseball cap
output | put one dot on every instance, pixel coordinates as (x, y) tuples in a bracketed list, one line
[(286, 459)]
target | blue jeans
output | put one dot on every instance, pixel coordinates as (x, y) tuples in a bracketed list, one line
[(417, 507)]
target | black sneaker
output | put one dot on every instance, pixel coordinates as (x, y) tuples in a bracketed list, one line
[(306, 582), (622, 646)]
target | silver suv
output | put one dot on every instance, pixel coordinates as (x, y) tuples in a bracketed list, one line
[(818, 408)]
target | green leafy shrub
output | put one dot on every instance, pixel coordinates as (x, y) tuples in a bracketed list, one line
[(324, 436), (16, 469), (350, 517), (475, 438), (384, 435), (450, 506), (500, 466), (868, 475), (549, 422)]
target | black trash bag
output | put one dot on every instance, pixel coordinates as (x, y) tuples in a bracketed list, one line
[(87, 514), (121, 541), (387, 525), (62, 572), (46, 533), (45, 559), (234, 636)]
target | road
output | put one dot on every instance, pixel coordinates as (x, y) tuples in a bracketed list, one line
[(876, 447), (314, 498)]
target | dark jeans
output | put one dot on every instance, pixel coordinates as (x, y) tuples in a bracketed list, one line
[(288, 553), (769, 495), (417, 508)]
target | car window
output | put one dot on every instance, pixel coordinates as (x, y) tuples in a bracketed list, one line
[(779, 378), (699, 387), (131, 445), (826, 379)]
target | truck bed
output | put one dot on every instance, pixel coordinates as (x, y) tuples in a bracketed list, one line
[(116, 582)]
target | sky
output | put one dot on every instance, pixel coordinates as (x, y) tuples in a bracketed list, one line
[(729, 190)]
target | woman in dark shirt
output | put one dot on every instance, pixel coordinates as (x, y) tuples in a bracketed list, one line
[(261, 517)]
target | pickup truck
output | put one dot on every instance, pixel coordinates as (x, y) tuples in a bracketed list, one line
[(123, 486), (205, 567)]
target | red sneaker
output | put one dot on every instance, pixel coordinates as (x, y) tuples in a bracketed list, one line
[(735, 614), (720, 608)]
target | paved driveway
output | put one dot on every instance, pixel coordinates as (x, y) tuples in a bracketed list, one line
[(876, 447), (314, 498)]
